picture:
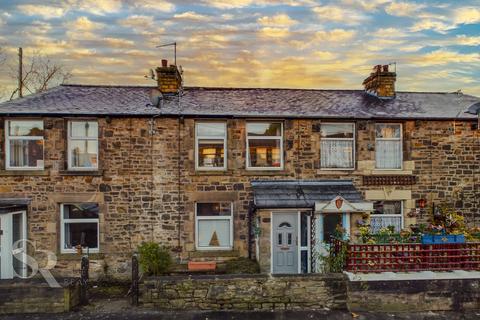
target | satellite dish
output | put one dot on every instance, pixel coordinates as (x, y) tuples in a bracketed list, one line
[(155, 97)]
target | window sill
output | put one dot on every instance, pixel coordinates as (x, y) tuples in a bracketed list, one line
[(338, 172), (77, 257), (399, 172), (212, 172), (81, 173), (24, 172), (213, 253), (267, 172)]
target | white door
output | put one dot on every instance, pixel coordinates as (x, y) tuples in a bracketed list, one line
[(285, 246), (13, 227)]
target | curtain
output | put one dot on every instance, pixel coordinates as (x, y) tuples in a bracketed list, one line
[(388, 154), (378, 221), (337, 154)]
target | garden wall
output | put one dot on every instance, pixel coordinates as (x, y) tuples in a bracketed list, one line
[(35, 296), (414, 295), (245, 292)]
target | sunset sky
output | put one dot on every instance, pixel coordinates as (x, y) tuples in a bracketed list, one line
[(246, 43)]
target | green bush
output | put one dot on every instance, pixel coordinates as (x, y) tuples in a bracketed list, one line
[(242, 266), (154, 259)]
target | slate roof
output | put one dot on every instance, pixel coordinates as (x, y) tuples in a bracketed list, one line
[(72, 100), (301, 193)]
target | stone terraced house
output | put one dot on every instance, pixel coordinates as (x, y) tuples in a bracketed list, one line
[(216, 173)]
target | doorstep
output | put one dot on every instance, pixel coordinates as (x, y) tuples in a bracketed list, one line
[(421, 275)]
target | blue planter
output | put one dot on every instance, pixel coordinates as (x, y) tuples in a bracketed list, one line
[(441, 238)]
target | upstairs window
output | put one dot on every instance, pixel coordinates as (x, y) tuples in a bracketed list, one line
[(24, 144), (214, 226), (264, 145), (82, 145), (388, 146), (386, 214), (211, 142), (337, 147), (79, 227)]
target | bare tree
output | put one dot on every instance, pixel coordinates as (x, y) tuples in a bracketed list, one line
[(40, 73)]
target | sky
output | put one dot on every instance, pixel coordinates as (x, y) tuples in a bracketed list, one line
[(252, 43)]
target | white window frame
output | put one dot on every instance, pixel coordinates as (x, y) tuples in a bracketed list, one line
[(63, 221), (353, 139), (204, 218), (197, 140), (392, 215), (280, 137), (69, 145), (389, 139), (9, 138)]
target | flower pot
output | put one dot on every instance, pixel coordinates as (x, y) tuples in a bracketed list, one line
[(202, 265), (442, 238)]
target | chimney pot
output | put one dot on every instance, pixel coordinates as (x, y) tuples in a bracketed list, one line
[(164, 63), (385, 68)]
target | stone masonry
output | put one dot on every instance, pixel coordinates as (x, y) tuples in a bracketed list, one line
[(147, 184), (247, 292)]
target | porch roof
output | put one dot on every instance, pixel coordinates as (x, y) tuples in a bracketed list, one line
[(301, 193)]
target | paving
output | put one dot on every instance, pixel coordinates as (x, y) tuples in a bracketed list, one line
[(106, 309)]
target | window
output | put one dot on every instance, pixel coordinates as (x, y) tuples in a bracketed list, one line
[(24, 144), (214, 228), (82, 145), (211, 141), (337, 146), (388, 146), (385, 214), (264, 145), (79, 227)]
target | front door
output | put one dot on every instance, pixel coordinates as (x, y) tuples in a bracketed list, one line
[(12, 229), (284, 246)]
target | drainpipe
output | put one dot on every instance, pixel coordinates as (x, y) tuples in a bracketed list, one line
[(251, 214)]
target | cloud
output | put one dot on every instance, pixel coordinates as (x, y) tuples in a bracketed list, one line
[(158, 5), (429, 24), (389, 33), (118, 43), (467, 41), (97, 7), (84, 24), (191, 15), (282, 20), (47, 12), (339, 14), (228, 4), (324, 55), (137, 22), (335, 35), (443, 57), (366, 5), (467, 15), (403, 9), (271, 32)]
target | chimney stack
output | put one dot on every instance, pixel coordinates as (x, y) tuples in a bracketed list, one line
[(381, 82), (169, 78)]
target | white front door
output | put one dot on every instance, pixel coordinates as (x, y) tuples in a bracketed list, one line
[(285, 244), (13, 227)]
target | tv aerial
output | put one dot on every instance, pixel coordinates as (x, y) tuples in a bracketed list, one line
[(174, 44)]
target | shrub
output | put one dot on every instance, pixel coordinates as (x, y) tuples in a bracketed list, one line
[(154, 259), (242, 266)]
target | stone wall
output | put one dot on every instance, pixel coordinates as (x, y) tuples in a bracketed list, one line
[(35, 296), (414, 295), (147, 185), (248, 292)]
